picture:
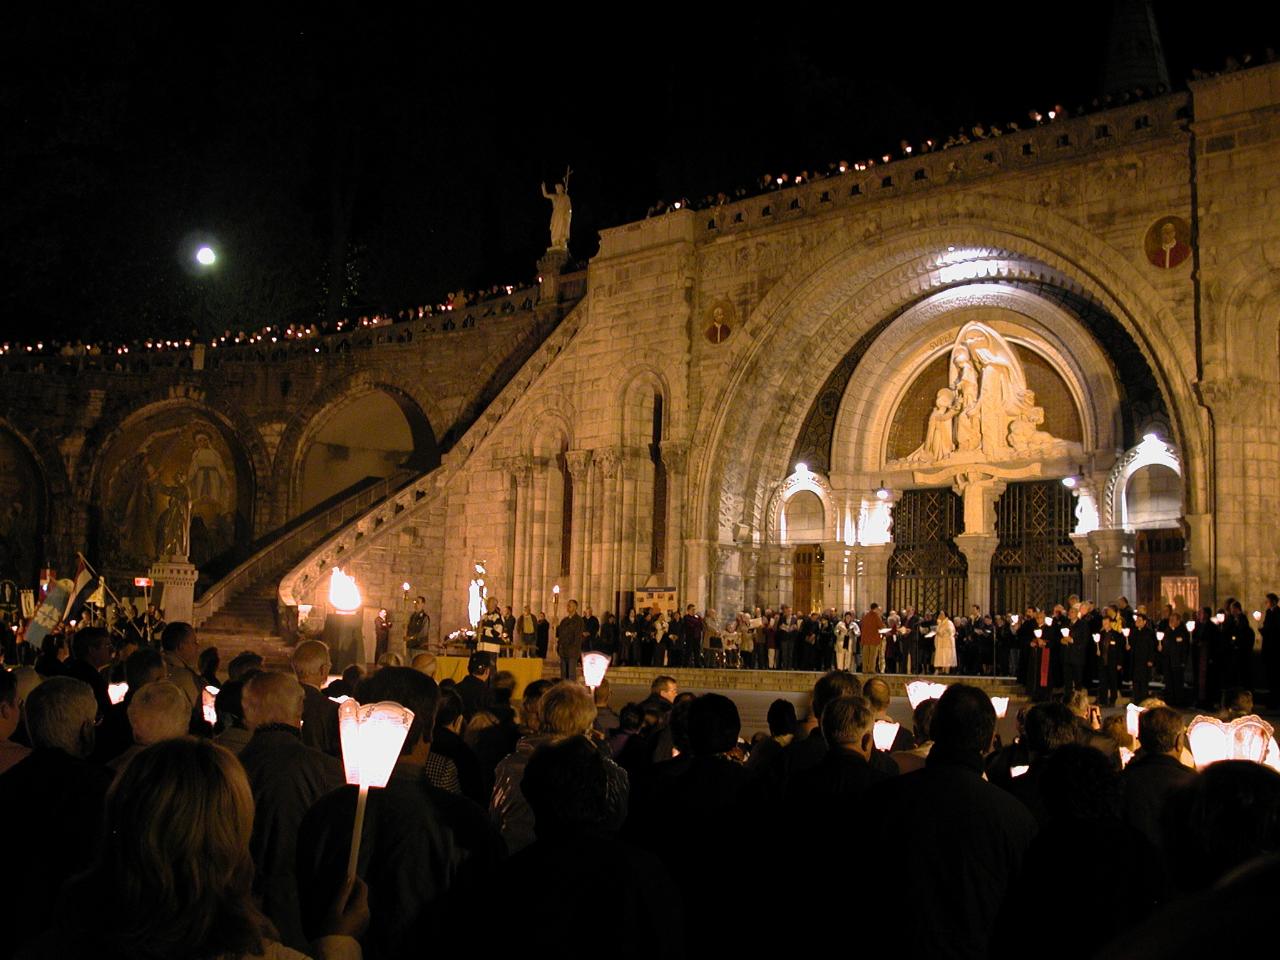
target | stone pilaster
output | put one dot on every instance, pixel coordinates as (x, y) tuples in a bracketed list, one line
[(522, 470), (978, 549), (875, 575), (675, 455), (1116, 569), (578, 462)]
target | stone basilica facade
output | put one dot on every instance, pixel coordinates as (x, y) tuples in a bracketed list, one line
[(1026, 367)]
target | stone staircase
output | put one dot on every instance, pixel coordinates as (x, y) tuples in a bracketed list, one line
[(247, 621)]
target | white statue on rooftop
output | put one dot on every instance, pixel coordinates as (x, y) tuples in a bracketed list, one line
[(561, 212)]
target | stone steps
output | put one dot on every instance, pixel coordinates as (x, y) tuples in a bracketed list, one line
[(782, 681)]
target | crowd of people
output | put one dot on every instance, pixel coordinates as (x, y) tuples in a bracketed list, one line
[(157, 826), (1197, 657)]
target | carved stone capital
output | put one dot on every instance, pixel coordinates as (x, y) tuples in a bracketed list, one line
[(577, 461), (608, 459), (522, 468), (675, 453)]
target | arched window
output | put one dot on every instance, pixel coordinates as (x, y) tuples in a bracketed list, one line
[(658, 540)]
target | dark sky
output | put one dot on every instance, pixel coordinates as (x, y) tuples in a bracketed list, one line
[(360, 160)]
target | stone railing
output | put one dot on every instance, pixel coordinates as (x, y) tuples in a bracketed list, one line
[(276, 557), (1073, 138), (350, 541)]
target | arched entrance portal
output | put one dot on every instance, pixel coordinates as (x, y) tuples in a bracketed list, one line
[(369, 436)]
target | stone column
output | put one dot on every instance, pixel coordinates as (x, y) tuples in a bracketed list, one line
[(1246, 485), (786, 583), (978, 548), (607, 460), (1088, 566), (627, 470), (1116, 566), (674, 458), (523, 470), (979, 541), (834, 566), (541, 564), (875, 574), (577, 462)]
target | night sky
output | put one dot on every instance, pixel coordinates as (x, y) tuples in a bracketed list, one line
[(357, 161)]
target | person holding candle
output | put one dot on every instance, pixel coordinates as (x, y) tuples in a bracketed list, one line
[(1142, 645), (1270, 631), (1111, 647), (944, 644), (1174, 649)]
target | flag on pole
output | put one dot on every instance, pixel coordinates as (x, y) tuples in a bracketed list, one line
[(84, 585), (49, 613)]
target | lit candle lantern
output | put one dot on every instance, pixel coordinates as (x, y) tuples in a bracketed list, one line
[(885, 732), (594, 666), (372, 735)]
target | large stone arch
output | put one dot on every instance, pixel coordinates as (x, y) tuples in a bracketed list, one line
[(421, 413), (33, 485), (925, 331), (177, 411), (844, 287)]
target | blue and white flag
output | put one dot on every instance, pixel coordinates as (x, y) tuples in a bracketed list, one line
[(49, 613)]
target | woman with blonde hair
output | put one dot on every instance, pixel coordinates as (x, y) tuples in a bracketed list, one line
[(173, 877)]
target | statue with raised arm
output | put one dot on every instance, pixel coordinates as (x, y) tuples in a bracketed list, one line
[(561, 212)]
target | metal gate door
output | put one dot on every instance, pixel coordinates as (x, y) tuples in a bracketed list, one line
[(1035, 564), (927, 570)]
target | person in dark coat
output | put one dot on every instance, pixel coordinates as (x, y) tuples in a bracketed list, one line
[(90, 652), (1110, 657), (419, 842), (967, 840), (474, 687), (636, 915), (115, 734), (1155, 771), (286, 777), (1142, 646), (1075, 648), (57, 784), (1174, 652), (569, 632), (1270, 631), (821, 797), (311, 666)]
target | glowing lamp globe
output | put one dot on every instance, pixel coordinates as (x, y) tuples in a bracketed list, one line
[(1245, 738), (1131, 714), (918, 691), (372, 735), (594, 666), (884, 733), (206, 256), (116, 692), (344, 595)]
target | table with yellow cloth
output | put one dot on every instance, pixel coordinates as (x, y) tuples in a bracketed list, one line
[(526, 670)]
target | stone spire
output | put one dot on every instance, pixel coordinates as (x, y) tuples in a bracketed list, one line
[(1135, 57)]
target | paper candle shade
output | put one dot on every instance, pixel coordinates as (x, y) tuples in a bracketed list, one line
[(594, 666), (372, 735), (1125, 631), (1018, 769), (1191, 626), (1065, 631), (885, 732), (1131, 714), (116, 692), (918, 691), (1001, 705), (1038, 632), (208, 705), (1245, 738), (1159, 636)]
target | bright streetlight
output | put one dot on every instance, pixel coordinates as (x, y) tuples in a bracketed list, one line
[(206, 257)]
